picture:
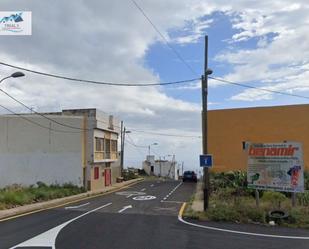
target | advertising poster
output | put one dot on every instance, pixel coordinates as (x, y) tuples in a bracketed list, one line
[(276, 166)]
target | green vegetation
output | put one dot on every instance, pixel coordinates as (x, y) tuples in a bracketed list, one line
[(129, 174), (232, 201), (16, 195)]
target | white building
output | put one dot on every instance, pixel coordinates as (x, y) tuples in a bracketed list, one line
[(73, 146), (161, 168)]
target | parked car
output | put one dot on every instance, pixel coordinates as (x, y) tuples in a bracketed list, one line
[(189, 176)]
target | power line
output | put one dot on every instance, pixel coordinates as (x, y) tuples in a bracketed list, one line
[(163, 37), (258, 88), (134, 145), (33, 122), (99, 82), (42, 115), (165, 134)]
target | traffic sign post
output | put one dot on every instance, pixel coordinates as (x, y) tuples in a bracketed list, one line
[(206, 161)]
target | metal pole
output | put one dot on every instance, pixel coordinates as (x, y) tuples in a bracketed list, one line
[(182, 168), (121, 148), (148, 150), (204, 124)]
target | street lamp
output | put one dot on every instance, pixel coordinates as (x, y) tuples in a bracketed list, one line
[(149, 147), (13, 75)]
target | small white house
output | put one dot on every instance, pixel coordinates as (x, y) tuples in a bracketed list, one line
[(161, 168)]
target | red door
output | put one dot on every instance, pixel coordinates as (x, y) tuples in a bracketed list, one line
[(107, 174)]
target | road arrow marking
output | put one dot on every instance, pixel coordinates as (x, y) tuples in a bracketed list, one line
[(82, 205), (48, 238), (125, 208), (143, 189), (144, 198)]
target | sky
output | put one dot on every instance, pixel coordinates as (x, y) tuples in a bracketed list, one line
[(258, 43)]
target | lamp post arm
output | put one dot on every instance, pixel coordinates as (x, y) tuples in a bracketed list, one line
[(5, 79)]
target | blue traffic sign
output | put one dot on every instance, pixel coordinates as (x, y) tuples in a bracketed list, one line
[(206, 161)]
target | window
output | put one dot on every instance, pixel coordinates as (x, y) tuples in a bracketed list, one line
[(114, 145), (108, 145), (99, 144), (96, 173)]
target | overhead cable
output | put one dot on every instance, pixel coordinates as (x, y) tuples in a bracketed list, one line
[(163, 38), (165, 134), (22, 116), (100, 82), (258, 88), (42, 115)]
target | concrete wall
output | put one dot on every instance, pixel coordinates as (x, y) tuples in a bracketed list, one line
[(116, 171), (165, 169), (147, 167), (29, 153), (228, 128)]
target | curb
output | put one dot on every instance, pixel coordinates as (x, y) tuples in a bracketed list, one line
[(182, 209), (41, 206)]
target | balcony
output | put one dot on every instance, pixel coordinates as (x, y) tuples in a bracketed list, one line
[(101, 156)]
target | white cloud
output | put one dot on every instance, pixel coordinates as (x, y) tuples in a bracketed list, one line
[(106, 40), (195, 30)]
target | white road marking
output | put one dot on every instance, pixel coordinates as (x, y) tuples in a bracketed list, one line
[(151, 185), (172, 191), (180, 202), (48, 238), (130, 193), (243, 233), (144, 198), (124, 208), (82, 205), (143, 189)]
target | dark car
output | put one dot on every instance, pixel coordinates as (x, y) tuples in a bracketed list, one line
[(189, 176)]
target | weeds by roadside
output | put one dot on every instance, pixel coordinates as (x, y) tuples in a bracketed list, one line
[(16, 195), (232, 201)]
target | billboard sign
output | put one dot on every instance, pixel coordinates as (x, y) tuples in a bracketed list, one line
[(276, 166)]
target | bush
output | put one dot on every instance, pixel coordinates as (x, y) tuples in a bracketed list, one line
[(17, 195), (276, 198), (223, 213), (256, 215), (299, 217), (232, 179), (224, 194), (303, 198), (16, 198)]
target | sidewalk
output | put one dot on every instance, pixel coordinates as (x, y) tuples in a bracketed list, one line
[(198, 203), (4, 214)]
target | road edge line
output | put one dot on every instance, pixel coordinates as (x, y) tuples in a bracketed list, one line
[(180, 218), (182, 209), (25, 213)]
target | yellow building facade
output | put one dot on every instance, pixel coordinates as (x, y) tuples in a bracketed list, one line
[(228, 130)]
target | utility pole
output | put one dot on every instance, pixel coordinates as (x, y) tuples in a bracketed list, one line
[(207, 72), (121, 148), (182, 168)]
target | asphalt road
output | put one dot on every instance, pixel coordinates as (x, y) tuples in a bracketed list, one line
[(143, 216)]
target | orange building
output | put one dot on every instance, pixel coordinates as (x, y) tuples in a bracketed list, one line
[(229, 128)]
